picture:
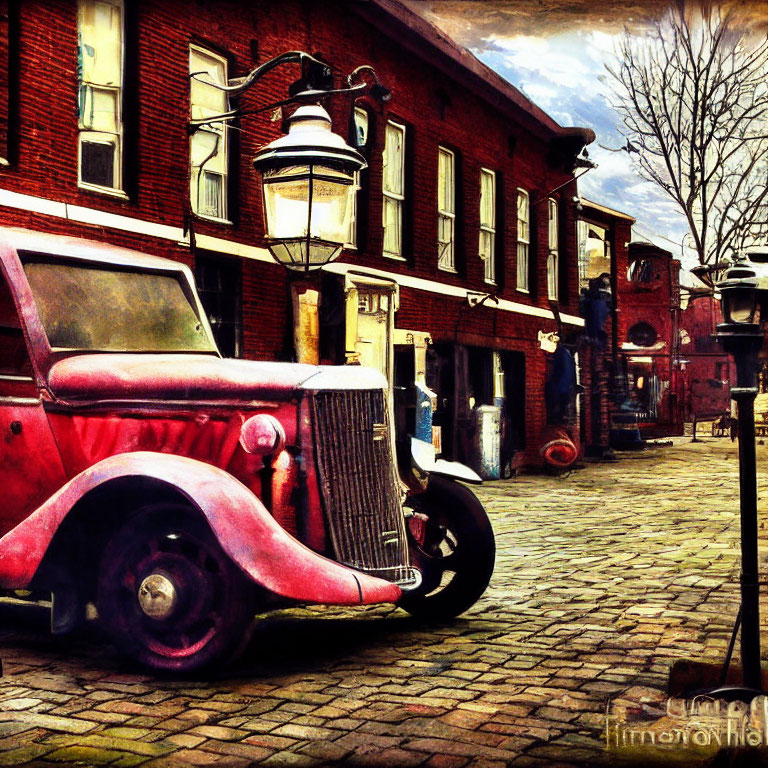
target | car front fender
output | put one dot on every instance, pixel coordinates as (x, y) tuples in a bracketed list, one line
[(244, 528)]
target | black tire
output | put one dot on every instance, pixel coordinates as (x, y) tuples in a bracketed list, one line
[(206, 614), (455, 554)]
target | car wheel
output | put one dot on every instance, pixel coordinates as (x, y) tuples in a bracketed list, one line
[(169, 596), (451, 542)]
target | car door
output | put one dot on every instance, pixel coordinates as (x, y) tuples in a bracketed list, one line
[(30, 466)]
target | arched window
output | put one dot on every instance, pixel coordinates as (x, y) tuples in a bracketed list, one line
[(642, 335)]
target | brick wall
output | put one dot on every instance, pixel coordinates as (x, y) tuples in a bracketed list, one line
[(436, 109)]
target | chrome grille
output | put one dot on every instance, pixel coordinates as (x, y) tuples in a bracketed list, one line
[(358, 482)]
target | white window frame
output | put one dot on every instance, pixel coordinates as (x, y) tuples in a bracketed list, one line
[(523, 240), (220, 131), (553, 287), (446, 210), (86, 133), (393, 197), (488, 225)]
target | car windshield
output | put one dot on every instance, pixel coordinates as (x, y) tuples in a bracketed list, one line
[(114, 309)]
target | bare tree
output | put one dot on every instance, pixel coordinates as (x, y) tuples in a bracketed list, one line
[(693, 97)]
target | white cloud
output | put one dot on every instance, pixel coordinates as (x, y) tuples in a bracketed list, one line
[(565, 64), (562, 74)]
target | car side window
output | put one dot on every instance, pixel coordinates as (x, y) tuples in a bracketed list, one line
[(14, 356)]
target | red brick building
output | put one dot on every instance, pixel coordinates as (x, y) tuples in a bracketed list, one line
[(604, 235), (707, 370), (650, 340), (464, 234)]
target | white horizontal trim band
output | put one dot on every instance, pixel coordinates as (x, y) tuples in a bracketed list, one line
[(77, 213), (421, 284)]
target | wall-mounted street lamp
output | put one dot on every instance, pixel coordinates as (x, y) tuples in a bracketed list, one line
[(308, 175), (308, 182), (742, 293)]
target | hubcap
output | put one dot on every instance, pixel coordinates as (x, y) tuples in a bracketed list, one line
[(157, 596)]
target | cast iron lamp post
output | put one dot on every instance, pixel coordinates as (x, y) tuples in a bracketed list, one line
[(308, 176), (741, 293)]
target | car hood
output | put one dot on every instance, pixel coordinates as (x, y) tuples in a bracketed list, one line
[(196, 377)]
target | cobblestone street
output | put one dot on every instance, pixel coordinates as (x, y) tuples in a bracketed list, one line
[(604, 577)]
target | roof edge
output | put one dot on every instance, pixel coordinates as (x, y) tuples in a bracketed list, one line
[(605, 209)]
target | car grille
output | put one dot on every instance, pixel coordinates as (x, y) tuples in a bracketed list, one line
[(358, 483)]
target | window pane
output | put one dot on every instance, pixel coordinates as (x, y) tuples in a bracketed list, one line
[(445, 242), (97, 163), (101, 38), (205, 99), (445, 183), (393, 160), (552, 225), (523, 216), (392, 243), (522, 266), (99, 110), (361, 127), (211, 188), (487, 198), (552, 266)]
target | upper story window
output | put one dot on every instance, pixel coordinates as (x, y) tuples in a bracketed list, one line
[(594, 252), (523, 239), (208, 145), (446, 209), (487, 245), (100, 26), (393, 189), (552, 250), (643, 272), (361, 127)]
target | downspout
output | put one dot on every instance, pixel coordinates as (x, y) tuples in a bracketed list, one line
[(614, 326)]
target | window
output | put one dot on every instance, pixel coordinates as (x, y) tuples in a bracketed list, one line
[(208, 148), (393, 190), (100, 99), (523, 239), (552, 255), (219, 283), (446, 209), (360, 140), (594, 252), (642, 335), (362, 128), (487, 246), (643, 271)]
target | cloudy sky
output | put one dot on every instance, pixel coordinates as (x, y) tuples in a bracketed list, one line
[(575, 40)]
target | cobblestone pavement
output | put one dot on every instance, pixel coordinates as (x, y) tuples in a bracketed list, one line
[(604, 577)]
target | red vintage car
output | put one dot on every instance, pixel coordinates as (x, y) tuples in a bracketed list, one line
[(173, 493)]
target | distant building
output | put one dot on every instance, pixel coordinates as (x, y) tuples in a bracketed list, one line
[(708, 370), (648, 345)]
